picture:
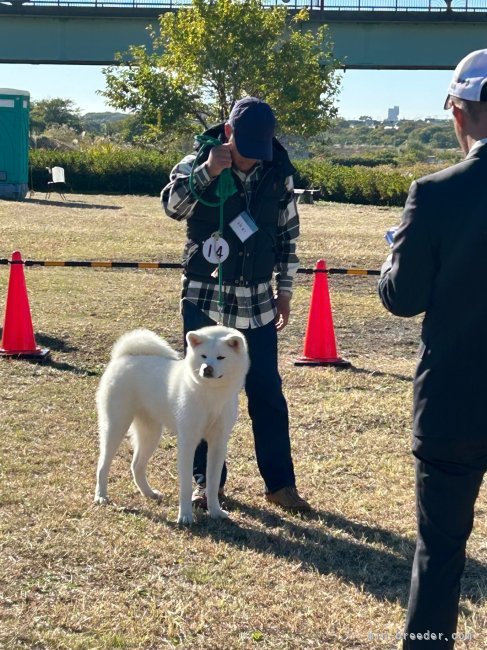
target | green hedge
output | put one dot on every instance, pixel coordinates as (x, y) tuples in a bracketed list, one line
[(375, 186), (366, 159), (105, 170), (115, 170)]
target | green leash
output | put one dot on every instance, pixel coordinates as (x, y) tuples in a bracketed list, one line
[(225, 188)]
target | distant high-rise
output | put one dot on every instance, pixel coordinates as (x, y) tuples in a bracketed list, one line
[(393, 114)]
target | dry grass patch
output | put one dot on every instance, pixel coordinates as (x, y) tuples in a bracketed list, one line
[(76, 576)]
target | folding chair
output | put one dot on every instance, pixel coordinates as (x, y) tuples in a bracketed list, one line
[(58, 182)]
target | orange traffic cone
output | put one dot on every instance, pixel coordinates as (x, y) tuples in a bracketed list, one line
[(18, 335), (319, 343)]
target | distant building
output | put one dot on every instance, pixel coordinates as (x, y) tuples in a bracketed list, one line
[(393, 114)]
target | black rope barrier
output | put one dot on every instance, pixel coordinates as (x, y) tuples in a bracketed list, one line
[(161, 265)]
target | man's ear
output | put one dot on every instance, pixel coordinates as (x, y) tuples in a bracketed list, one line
[(228, 131), (459, 115)]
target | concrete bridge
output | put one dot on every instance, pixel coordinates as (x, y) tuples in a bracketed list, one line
[(397, 34)]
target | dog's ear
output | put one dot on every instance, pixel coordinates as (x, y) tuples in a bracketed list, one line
[(193, 339), (235, 342)]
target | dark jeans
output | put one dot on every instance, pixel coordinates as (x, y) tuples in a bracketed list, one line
[(266, 403), (448, 478)]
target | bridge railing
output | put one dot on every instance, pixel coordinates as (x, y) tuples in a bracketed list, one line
[(314, 5)]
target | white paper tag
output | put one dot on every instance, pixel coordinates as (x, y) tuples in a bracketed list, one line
[(243, 226), (215, 249)]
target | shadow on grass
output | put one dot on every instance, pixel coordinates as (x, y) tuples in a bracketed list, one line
[(373, 559), (54, 343), (371, 373), (57, 345), (63, 367), (51, 342), (380, 373), (74, 204), (60, 345), (67, 367)]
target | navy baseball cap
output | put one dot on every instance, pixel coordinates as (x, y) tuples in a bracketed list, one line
[(253, 124)]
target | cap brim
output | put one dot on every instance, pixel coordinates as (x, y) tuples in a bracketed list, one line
[(254, 149)]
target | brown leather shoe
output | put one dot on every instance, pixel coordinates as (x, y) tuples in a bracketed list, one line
[(199, 496), (289, 499)]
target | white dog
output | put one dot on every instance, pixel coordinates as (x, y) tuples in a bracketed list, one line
[(146, 387)]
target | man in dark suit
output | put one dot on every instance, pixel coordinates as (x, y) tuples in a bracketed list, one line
[(438, 267)]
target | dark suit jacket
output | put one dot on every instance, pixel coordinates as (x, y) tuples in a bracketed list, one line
[(439, 266)]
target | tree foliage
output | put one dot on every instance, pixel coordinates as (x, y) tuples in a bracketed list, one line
[(46, 113), (436, 136), (207, 56), (439, 134)]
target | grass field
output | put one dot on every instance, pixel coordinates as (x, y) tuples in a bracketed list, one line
[(78, 576)]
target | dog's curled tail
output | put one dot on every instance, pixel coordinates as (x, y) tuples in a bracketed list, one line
[(143, 342)]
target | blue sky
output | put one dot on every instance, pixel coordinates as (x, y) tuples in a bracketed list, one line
[(418, 94)]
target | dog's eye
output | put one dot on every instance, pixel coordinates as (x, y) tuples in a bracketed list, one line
[(220, 358), (203, 356)]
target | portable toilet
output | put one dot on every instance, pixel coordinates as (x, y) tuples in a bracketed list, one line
[(14, 143)]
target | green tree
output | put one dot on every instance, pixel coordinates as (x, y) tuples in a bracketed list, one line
[(445, 139), (439, 136), (209, 55), (54, 112), (413, 152)]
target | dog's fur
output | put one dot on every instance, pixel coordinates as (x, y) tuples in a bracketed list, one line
[(146, 387)]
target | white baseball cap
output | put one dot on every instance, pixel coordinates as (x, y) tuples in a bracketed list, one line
[(469, 78)]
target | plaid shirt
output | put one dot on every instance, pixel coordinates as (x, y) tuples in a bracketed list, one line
[(243, 307)]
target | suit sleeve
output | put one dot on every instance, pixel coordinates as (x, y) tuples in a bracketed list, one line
[(407, 276)]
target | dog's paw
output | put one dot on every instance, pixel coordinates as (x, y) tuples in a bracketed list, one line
[(185, 519), (156, 495), (219, 514), (101, 501)]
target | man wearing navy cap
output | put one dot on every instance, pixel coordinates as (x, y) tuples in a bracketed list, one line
[(438, 267), (260, 227)]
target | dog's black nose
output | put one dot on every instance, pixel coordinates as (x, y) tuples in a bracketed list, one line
[(208, 371)]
